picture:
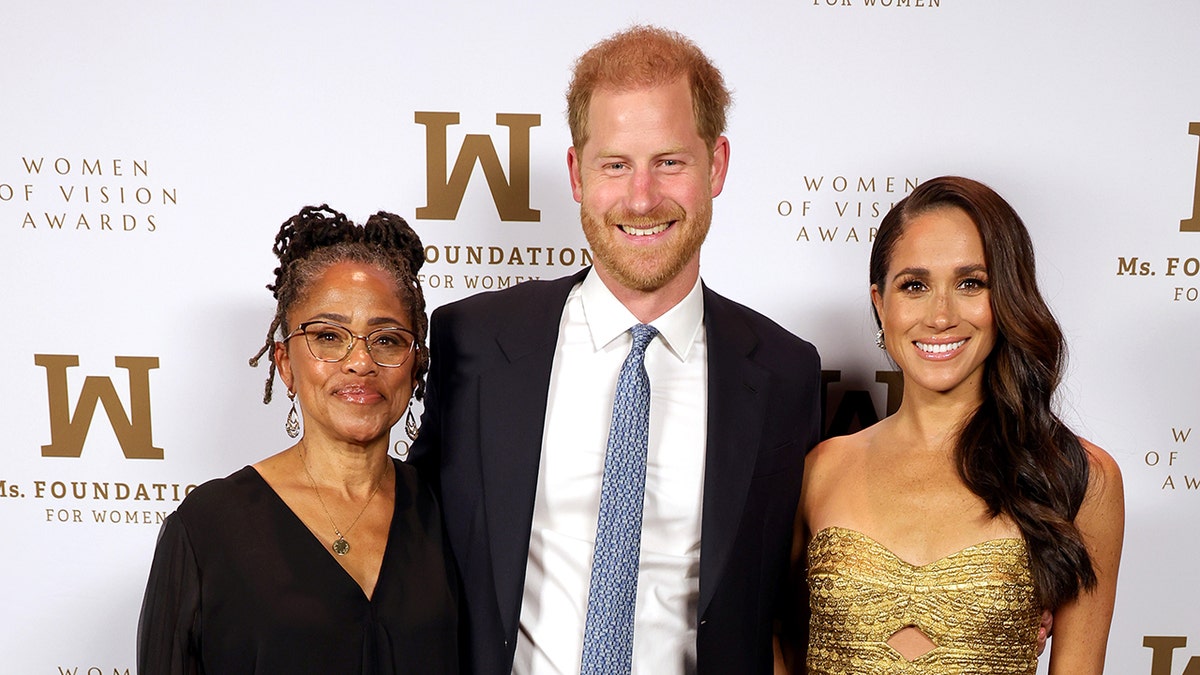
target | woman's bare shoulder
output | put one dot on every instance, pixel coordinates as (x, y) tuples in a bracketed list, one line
[(835, 461), (837, 450), (1104, 474), (1101, 517)]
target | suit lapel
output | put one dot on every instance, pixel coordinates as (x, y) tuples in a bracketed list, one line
[(512, 414), (737, 388)]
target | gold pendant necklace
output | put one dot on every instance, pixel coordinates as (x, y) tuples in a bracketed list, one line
[(340, 546)]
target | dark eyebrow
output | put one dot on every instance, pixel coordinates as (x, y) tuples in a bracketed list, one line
[(958, 271), (328, 316), (911, 271), (385, 320), (374, 321)]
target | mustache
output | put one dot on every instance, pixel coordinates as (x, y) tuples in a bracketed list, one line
[(662, 213)]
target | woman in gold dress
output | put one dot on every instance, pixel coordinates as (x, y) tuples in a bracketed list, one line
[(936, 537)]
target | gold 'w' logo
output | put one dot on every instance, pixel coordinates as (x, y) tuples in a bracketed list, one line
[(1163, 649), (1193, 224), (444, 190), (68, 432)]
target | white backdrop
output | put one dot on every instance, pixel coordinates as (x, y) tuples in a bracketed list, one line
[(168, 141)]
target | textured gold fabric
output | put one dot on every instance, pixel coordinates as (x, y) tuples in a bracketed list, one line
[(977, 605)]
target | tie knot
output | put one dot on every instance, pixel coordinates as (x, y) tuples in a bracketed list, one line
[(642, 335)]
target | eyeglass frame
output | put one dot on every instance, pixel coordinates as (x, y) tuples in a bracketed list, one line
[(302, 329)]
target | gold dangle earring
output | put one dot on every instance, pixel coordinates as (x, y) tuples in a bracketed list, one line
[(292, 425)]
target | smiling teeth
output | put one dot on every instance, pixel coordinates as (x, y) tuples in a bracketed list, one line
[(639, 232), (941, 348)]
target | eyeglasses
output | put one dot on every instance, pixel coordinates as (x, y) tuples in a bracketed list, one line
[(330, 342)]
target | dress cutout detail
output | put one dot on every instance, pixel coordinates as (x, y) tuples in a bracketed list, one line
[(977, 605)]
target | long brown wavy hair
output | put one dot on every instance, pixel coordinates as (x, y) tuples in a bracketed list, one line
[(1013, 452)]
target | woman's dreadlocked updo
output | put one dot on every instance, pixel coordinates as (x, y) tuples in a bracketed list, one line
[(311, 241)]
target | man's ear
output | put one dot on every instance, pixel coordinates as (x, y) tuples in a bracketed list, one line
[(575, 173), (720, 165)]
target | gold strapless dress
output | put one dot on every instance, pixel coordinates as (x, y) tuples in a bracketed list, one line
[(977, 605)]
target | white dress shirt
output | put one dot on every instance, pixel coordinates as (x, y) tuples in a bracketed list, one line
[(593, 341)]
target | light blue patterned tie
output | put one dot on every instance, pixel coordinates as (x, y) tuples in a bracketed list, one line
[(608, 635)]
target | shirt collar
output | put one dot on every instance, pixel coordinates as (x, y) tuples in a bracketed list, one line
[(607, 319)]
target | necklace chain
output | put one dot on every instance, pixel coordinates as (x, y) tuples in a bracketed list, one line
[(340, 546)]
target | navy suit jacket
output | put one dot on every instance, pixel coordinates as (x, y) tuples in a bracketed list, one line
[(481, 439)]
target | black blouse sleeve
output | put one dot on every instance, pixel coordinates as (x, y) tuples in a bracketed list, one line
[(168, 641)]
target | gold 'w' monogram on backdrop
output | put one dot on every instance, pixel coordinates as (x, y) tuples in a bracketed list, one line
[(1163, 648), (69, 431), (1193, 224), (444, 189)]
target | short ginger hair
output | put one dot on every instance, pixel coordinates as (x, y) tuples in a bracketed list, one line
[(642, 57)]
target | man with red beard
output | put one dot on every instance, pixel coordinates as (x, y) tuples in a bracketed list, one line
[(575, 558)]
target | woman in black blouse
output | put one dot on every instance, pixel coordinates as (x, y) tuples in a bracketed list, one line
[(328, 556)]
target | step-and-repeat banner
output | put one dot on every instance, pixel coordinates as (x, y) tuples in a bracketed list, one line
[(149, 152)]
